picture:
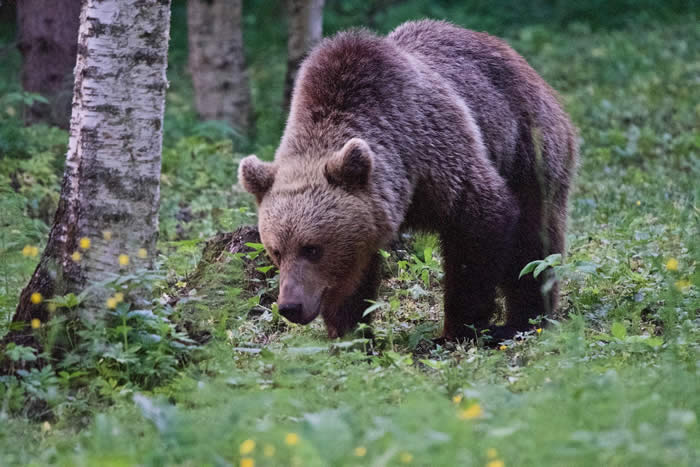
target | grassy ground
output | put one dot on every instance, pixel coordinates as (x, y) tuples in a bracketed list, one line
[(613, 381)]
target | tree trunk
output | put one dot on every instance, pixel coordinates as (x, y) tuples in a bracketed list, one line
[(48, 40), (304, 30), (111, 185), (217, 62)]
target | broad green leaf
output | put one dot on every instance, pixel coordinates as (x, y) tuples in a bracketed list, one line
[(553, 259), (654, 342), (529, 267), (618, 330), (539, 269)]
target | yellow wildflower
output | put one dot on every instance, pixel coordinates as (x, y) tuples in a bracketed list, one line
[(639, 203), (36, 324), (36, 298), (491, 453), (247, 447), (406, 457), (503, 347), (495, 463), (672, 264), (538, 330), (123, 260), (269, 450), (142, 253), (111, 303), (471, 412), (76, 256), (30, 251), (457, 398), (107, 235), (360, 451), (180, 284), (292, 439), (84, 243), (682, 285), (247, 462), (119, 297)]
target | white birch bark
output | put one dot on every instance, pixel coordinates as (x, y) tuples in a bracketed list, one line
[(304, 30), (217, 62), (112, 174)]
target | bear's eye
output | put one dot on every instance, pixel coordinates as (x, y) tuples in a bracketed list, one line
[(276, 255), (311, 252)]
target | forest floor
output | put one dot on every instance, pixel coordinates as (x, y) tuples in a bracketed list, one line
[(614, 380)]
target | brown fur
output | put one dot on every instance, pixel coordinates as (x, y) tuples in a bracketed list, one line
[(434, 127)]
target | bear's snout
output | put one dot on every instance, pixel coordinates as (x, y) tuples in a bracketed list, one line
[(294, 312), (294, 302)]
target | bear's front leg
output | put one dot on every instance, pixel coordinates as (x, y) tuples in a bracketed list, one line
[(343, 319)]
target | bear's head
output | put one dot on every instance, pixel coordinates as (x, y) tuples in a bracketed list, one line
[(319, 224)]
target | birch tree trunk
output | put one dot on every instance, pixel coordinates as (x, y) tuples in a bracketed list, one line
[(304, 30), (217, 62), (48, 40), (111, 185)]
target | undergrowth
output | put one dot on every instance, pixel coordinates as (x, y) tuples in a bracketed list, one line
[(205, 372)]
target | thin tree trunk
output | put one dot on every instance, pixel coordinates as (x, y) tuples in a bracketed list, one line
[(304, 30), (111, 185), (217, 62), (48, 40)]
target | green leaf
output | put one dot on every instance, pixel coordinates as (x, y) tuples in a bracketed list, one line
[(529, 267), (254, 301), (20, 353), (434, 364), (374, 306), (398, 359), (539, 269), (618, 330), (394, 304), (553, 259), (654, 342)]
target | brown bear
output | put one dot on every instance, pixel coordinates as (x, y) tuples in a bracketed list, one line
[(432, 127)]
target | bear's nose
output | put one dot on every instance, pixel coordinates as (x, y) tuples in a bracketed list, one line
[(292, 311)]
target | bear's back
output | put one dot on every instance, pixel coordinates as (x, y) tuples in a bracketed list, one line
[(506, 96)]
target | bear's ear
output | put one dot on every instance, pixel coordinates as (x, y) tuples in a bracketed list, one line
[(256, 176), (351, 166)]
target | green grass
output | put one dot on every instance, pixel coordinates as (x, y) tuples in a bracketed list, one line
[(612, 381)]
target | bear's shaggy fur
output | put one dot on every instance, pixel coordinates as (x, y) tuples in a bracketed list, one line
[(433, 127)]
